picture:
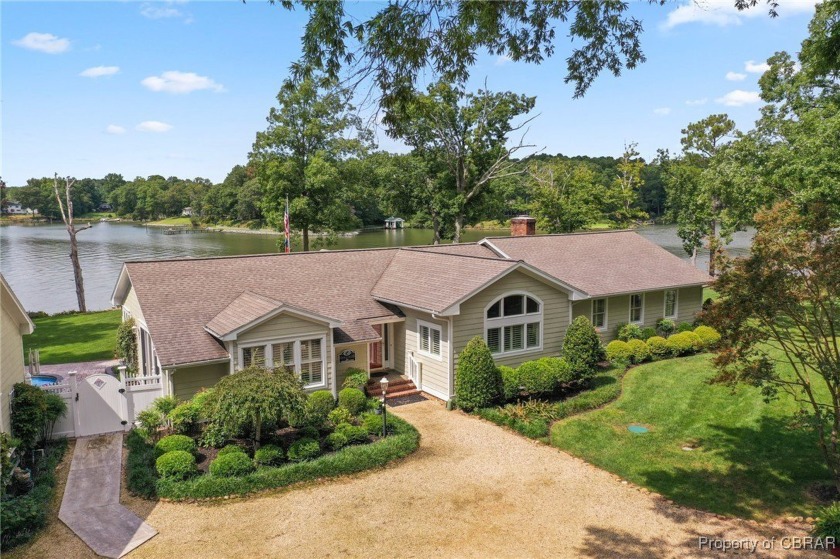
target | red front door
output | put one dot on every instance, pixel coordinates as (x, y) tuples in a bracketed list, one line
[(376, 350)]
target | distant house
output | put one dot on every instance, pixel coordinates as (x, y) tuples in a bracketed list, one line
[(410, 309), (14, 208), (14, 324), (105, 208), (394, 223), (186, 212)]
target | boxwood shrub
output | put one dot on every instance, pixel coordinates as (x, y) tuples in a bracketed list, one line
[(582, 348), (641, 352), (231, 464), (536, 377), (354, 434), (231, 449), (511, 387), (478, 382), (184, 418), (177, 464), (349, 460), (708, 336), (659, 348), (175, 442), (339, 416), (269, 455), (372, 423), (336, 440), (352, 399), (319, 404), (304, 449), (683, 343), (629, 332), (619, 351)]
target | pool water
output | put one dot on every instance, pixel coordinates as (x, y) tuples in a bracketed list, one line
[(44, 380), (638, 429)]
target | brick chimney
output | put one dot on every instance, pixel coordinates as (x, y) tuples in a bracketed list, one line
[(523, 225)]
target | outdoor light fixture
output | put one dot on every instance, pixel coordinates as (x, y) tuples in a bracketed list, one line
[(384, 384)]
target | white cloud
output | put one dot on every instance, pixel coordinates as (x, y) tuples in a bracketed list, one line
[(180, 82), (739, 98), (502, 60), (756, 67), (735, 76), (99, 71), (114, 129), (723, 12), (154, 126), (696, 102), (43, 42), (164, 10), (662, 111)]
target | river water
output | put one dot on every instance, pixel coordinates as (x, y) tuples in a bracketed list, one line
[(35, 261)]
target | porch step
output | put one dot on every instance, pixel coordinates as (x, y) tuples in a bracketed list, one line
[(397, 388)]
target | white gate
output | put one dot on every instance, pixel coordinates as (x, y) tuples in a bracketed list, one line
[(414, 370), (100, 405)]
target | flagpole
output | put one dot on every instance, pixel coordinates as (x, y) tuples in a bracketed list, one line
[(286, 233)]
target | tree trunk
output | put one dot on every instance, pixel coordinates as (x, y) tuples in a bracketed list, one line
[(694, 257), (459, 227), (305, 238), (713, 248), (77, 270), (257, 432), (435, 229)]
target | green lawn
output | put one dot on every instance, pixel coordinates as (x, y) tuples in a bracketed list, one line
[(172, 221), (69, 338), (747, 461), (709, 293)]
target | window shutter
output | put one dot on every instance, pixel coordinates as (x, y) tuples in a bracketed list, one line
[(435, 342)]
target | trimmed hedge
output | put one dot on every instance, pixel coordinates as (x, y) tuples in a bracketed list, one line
[(231, 449), (349, 460), (319, 404), (23, 516), (511, 387), (231, 464), (353, 400), (619, 351), (683, 343), (708, 336), (641, 352), (175, 442), (177, 464), (140, 473), (582, 348), (659, 348), (536, 378), (478, 382), (354, 434)]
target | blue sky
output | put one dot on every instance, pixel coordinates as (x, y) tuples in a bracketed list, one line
[(181, 88)]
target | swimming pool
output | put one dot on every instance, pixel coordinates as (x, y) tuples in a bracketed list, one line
[(44, 380)]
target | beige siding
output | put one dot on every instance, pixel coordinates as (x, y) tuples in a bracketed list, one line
[(289, 327), (361, 361), (282, 326), (399, 358), (435, 372), (11, 361), (132, 305), (190, 380), (470, 322), (689, 303)]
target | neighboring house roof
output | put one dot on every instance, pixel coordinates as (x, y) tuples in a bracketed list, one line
[(13, 306), (191, 304), (602, 263)]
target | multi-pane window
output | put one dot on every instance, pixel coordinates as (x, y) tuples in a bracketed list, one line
[(636, 305), (513, 323), (429, 339), (670, 303), (304, 357), (599, 313)]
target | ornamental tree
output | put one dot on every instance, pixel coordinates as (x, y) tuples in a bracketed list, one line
[(779, 318), (254, 396)]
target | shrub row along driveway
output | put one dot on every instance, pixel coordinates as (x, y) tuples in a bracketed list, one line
[(472, 489)]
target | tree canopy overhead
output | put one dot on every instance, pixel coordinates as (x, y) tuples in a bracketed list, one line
[(405, 37)]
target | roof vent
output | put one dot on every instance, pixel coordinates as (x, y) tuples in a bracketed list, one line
[(523, 225)]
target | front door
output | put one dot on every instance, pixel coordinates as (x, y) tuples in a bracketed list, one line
[(376, 350), (380, 352)]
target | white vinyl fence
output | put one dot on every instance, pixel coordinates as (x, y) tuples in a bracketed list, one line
[(103, 403)]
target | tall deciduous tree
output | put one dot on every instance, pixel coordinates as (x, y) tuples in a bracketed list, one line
[(468, 133), (779, 316), (298, 156), (565, 195), (623, 195), (66, 208)]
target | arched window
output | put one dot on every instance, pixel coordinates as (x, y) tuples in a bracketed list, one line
[(513, 323)]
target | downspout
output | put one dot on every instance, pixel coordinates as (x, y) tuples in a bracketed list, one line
[(451, 360), (333, 365)]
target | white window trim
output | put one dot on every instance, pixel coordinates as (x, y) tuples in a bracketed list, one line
[(630, 309), (269, 355), (524, 319), (431, 326), (676, 304), (606, 313)]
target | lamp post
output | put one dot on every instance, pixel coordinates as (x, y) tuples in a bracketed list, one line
[(384, 384)]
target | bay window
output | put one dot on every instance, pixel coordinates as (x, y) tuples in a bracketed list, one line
[(513, 323), (305, 357)]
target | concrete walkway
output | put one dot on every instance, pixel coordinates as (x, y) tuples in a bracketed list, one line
[(91, 504), (83, 368)]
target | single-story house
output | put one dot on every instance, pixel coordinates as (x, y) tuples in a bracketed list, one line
[(14, 324), (410, 309), (186, 212)]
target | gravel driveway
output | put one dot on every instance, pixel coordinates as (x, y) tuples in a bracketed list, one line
[(471, 490)]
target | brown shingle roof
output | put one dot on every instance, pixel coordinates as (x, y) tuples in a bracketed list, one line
[(603, 263), (243, 310), (434, 280), (179, 297)]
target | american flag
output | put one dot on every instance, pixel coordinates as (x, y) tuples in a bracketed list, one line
[(288, 240)]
